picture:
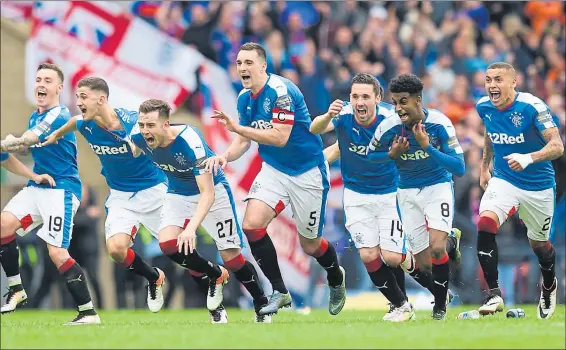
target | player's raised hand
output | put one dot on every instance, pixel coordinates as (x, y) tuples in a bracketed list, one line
[(51, 139), (43, 178), (211, 164), (518, 161), (335, 108), (485, 176), (421, 135), (225, 120), (400, 145), (186, 241)]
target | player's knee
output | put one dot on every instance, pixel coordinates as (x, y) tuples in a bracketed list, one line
[(58, 255), (117, 249), (392, 258), (487, 223), (9, 224), (437, 253), (230, 254), (369, 254), (311, 246)]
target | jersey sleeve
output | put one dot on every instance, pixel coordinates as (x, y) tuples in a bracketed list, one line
[(196, 150), (381, 140), (4, 156), (283, 107), (449, 143), (53, 120), (541, 116), (244, 120), (338, 120)]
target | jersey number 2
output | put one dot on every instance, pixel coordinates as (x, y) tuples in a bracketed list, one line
[(220, 225), (359, 149)]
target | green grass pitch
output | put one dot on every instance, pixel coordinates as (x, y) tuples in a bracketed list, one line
[(350, 329)]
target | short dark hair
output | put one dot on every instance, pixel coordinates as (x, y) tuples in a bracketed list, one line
[(52, 67), (368, 79), (255, 47), (409, 83), (95, 84), (162, 107), (502, 65)]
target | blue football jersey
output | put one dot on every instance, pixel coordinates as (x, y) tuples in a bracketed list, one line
[(359, 174), (416, 167), (4, 156), (122, 171), (181, 160), (281, 102), (58, 160), (517, 129)]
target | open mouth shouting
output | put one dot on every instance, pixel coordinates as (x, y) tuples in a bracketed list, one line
[(41, 95), (404, 117), (494, 95), (150, 140), (362, 111), (246, 78)]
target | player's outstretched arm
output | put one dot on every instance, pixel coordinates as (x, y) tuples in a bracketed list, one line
[(15, 144), (186, 240), (332, 153), (13, 165), (322, 124), (70, 126), (485, 174)]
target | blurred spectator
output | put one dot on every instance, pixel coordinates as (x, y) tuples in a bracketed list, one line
[(203, 22)]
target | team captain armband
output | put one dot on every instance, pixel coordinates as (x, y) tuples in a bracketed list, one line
[(282, 113), (545, 119)]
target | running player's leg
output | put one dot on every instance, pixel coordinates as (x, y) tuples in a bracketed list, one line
[(308, 193), (498, 203), (439, 211), (222, 224), (537, 210), (360, 212), (58, 208), (21, 213), (266, 199)]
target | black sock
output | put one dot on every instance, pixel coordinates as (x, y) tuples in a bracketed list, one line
[(10, 258), (247, 275), (384, 279), (424, 278), (400, 278), (265, 255), (441, 274), (329, 261), (451, 243), (488, 257), (202, 283), (136, 264), (192, 261), (547, 260), (77, 284)]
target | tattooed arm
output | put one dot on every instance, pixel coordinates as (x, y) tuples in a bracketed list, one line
[(553, 148), (485, 174)]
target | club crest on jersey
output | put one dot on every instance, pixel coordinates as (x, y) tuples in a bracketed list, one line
[(266, 105), (433, 140), (180, 158), (517, 119)]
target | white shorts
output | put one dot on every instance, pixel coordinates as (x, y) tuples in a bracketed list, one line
[(127, 210), (536, 208), (306, 193), (372, 220), (54, 208), (421, 209), (221, 222)]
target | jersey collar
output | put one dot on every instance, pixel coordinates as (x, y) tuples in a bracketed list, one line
[(261, 90), (46, 111)]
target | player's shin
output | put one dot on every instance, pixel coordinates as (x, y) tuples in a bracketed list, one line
[(265, 255), (193, 261), (547, 259), (440, 274), (201, 279), (77, 285), (246, 273), (399, 277), (421, 276), (9, 258), (326, 256), (487, 250), (135, 263), (384, 279)]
